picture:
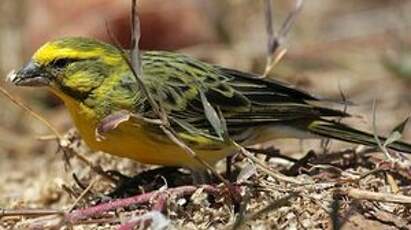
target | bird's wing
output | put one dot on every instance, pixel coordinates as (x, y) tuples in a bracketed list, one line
[(178, 82)]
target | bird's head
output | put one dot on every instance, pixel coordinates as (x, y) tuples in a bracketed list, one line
[(73, 66)]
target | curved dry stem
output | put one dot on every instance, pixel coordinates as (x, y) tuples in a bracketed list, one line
[(31, 112)]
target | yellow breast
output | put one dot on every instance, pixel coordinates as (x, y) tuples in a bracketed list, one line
[(133, 141)]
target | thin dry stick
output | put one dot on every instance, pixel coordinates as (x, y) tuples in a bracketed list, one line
[(188, 150), (271, 63), (269, 208), (31, 112), (136, 68), (375, 196), (95, 168), (135, 58), (28, 212), (135, 38), (274, 42), (264, 167), (289, 21), (278, 57), (85, 191), (57, 136), (325, 143), (374, 130), (272, 206), (47, 137)]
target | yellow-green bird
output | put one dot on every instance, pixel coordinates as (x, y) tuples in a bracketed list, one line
[(94, 81)]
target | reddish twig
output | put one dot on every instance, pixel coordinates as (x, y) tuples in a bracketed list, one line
[(160, 203), (403, 169), (89, 212)]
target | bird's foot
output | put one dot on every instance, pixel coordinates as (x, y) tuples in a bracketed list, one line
[(147, 181)]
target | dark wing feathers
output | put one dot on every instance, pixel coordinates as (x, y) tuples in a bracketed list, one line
[(244, 100), (265, 90)]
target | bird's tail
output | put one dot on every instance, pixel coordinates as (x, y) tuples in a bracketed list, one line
[(331, 129)]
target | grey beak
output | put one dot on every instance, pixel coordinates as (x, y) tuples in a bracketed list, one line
[(30, 75)]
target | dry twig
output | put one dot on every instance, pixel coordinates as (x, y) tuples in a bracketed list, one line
[(31, 112), (274, 41), (62, 142), (269, 208), (83, 194), (136, 69), (265, 168), (375, 196)]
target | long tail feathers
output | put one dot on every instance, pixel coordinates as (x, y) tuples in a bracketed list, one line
[(343, 132)]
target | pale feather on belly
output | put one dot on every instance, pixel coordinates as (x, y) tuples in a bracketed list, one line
[(266, 133)]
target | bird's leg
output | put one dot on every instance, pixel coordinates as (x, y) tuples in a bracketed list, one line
[(149, 180), (228, 170), (231, 172), (200, 176), (301, 163), (271, 152)]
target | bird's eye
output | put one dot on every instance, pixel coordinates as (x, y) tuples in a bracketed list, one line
[(62, 62)]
